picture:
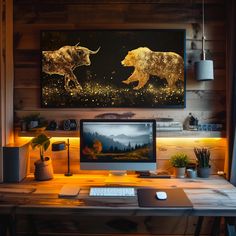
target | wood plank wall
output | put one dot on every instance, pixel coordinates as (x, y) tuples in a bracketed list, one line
[(6, 77), (206, 100)]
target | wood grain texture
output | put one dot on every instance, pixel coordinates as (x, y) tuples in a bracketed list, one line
[(111, 216), (206, 100), (119, 226), (6, 76), (165, 148), (211, 197)]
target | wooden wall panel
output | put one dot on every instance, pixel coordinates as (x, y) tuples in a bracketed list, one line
[(31, 79), (166, 147), (6, 77), (205, 99)]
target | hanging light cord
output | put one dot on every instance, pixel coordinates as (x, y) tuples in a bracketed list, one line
[(203, 32)]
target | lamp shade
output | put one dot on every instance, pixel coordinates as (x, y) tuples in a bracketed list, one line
[(204, 70), (59, 146)]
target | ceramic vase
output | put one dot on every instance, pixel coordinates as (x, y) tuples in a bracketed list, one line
[(203, 172), (180, 172), (43, 169)]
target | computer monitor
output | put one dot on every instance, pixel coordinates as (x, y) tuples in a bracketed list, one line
[(118, 145)]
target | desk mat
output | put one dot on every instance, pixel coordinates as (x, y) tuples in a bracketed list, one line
[(175, 198)]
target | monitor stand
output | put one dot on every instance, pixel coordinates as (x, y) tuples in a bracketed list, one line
[(117, 177)]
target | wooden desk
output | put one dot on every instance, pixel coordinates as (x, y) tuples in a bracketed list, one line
[(210, 197)]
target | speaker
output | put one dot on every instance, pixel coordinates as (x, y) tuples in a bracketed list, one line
[(70, 124), (15, 162)]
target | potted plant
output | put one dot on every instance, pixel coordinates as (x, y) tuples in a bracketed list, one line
[(33, 122), (43, 166), (203, 162), (179, 161)]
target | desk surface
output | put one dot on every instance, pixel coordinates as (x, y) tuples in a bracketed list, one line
[(210, 197)]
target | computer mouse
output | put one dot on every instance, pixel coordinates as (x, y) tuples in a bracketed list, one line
[(161, 195)]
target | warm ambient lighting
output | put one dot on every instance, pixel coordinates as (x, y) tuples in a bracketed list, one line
[(174, 139), (55, 139), (52, 139), (204, 68)]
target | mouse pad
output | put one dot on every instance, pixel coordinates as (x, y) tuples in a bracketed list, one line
[(175, 198)]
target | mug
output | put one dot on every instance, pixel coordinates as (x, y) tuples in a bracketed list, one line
[(192, 174)]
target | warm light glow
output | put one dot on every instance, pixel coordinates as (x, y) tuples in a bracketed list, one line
[(176, 139), (190, 142), (52, 139), (73, 140), (166, 139), (24, 139)]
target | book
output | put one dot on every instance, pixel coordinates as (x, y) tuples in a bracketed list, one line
[(169, 126)]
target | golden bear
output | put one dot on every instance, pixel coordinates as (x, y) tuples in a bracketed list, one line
[(165, 65)]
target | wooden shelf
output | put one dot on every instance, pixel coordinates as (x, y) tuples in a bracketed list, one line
[(161, 134), (191, 134), (56, 133)]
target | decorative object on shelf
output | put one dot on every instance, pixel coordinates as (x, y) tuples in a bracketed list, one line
[(192, 122), (169, 126), (164, 119), (204, 68), (62, 145), (146, 68), (203, 162), (52, 125), (210, 127), (33, 122), (179, 161), (191, 173), (125, 115), (43, 166), (70, 124)]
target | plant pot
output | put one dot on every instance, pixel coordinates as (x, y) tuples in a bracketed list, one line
[(180, 172), (43, 169), (203, 172)]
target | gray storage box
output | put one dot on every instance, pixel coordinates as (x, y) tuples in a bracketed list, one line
[(15, 162)]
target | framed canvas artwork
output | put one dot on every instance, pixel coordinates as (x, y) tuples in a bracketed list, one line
[(113, 68)]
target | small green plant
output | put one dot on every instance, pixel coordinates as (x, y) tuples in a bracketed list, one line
[(41, 122), (203, 157), (42, 142), (34, 116), (179, 160)]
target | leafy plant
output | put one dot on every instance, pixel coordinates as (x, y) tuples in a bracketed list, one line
[(179, 160), (42, 142), (203, 157), (35, 117)]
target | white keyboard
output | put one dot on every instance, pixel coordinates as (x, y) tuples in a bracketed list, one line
[(112, 192)]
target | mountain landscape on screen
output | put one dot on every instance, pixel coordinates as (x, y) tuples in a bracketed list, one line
[(116, 147)]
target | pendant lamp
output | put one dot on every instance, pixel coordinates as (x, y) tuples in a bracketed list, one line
[(204, 68)]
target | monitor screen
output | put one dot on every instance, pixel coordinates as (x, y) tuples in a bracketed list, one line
[(118, 144)]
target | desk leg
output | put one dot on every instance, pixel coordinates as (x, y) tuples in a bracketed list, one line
[(3, 226), (12, 225), (199, 226), (215, 230), (32, 225), (230, 226), (7, 224)]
